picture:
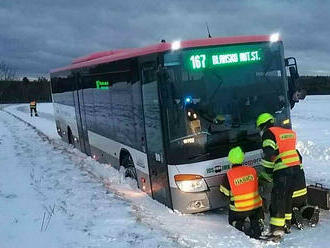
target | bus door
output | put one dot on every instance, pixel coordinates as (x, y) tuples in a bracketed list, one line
[(154, 136), (81, 116)]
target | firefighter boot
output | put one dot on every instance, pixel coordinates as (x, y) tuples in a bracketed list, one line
[(275, 235), (297, 219), (259, 228), (287, 226), (277, 231), (315, 217), (242, 225), (256, 228), (311, 213)]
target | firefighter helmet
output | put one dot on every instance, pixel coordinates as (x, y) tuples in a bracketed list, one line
[(265, 117), (236, 155)]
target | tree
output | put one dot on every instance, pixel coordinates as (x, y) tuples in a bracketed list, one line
[(42, 80), (25, 80), (7, 72)]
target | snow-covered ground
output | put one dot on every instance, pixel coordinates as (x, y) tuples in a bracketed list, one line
[(311, 121), (52, 195)]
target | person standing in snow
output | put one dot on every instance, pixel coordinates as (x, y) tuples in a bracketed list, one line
[(281, 164), (241, 185), (33, 108)]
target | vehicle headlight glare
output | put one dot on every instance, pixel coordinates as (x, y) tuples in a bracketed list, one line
[(196, 185)]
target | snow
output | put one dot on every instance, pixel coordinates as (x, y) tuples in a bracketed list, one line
[(38, 175), (95, 206), (311, 121)]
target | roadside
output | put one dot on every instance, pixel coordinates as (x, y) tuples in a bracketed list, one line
[(206, 229), (46, 200)]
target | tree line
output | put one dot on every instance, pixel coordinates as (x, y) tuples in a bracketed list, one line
[(13, 90), (315, 85), (21, 92)]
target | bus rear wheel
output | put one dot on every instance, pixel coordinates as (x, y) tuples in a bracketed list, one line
[(128, 164)]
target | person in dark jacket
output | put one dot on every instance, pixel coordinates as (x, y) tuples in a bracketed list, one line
[(241, 185), (282, 164), (33, 108)]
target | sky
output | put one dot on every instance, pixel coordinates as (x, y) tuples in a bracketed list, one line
[(37, 36)]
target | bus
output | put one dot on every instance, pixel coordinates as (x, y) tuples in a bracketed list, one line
[(170, 112)]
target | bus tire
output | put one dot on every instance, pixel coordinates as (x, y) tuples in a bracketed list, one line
[(70, 137), (126, 161)]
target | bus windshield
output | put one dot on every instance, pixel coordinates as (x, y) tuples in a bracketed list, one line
[(212, 97)]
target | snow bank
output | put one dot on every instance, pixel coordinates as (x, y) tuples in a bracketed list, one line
[(206, 229)]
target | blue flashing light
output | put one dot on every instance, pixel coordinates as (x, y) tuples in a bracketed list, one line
[(188, 100)]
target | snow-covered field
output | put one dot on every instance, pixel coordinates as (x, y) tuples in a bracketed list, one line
[(52, 195)]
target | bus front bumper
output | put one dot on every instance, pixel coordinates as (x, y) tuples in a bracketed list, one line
[(200, 201)]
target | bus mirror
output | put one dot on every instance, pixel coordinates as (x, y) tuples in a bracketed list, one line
[(294, 96), (293, 72), (291, 63)]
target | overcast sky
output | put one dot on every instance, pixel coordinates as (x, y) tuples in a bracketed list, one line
[(39, 35)]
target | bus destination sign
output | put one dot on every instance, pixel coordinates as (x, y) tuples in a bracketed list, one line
[(202, 61), (197, 59)]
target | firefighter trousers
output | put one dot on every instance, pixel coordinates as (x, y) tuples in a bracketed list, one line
[(284, 184), (254, 227), (299, 200), (33, 109)]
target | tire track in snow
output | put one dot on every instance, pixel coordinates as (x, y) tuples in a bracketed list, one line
[(200, 230), (84, 206)]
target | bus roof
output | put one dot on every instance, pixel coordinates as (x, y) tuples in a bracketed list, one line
[(115, 55)]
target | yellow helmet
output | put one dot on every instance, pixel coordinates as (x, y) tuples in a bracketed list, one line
[(236, 155), (263, 118)]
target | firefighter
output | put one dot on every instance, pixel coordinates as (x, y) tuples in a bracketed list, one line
[(281, 163), (241, 185), (33, 108), (281, 160)]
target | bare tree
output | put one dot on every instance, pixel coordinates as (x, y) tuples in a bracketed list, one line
[(7, 72)]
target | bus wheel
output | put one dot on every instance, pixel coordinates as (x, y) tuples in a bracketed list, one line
[(70, 137), (128, 164)]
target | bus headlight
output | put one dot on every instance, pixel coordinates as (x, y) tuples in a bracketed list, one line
[(190, 183)]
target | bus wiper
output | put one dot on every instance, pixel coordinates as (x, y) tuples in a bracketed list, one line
[(199, 156), (219, 86)]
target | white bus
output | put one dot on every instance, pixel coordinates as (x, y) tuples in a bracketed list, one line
[(169, 113)]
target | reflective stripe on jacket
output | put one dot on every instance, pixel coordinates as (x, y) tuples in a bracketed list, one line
[(243, 182), (286, 143)]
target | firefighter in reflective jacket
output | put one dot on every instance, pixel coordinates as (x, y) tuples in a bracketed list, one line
[(281, 164), (33, 108), (241, 185)]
